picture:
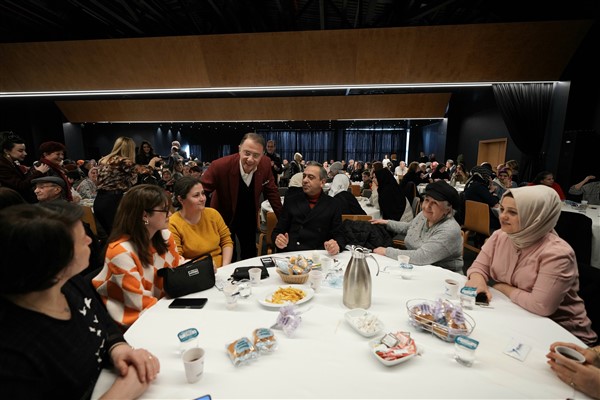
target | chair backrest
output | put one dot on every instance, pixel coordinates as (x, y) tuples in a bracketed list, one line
[(271, 223), (355, 189), (282, 190), (416, 205), (477, 217), (576, 229), (410, 191), (356, 217), (88, 218)]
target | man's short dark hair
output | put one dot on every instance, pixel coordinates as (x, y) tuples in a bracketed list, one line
[(255, 137), (322, 170)]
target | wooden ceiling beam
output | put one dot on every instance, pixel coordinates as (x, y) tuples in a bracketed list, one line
[(400, 106)]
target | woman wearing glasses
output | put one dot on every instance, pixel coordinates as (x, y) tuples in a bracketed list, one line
[(139, 245), (199, 230)]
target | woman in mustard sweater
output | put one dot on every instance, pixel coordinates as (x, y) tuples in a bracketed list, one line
[(198, 229)]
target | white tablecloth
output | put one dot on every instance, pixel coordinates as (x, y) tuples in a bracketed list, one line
[(327, 359), (594, 215)]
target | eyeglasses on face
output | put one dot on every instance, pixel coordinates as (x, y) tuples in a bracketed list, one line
[(167, 211)]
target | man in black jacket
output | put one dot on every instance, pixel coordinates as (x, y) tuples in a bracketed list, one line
[(276, 163), (310, 219)]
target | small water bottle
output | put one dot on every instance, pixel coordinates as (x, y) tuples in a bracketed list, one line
[(188, 338), (467, 297)]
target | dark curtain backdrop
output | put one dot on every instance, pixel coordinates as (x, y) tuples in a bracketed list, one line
[(525, 109), (313, 145), (373, 145), (364, 145)]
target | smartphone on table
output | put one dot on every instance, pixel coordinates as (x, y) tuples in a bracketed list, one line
[(188, 303), (267, 262)]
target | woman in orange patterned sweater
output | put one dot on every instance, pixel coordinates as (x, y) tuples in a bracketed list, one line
[(140, 244)]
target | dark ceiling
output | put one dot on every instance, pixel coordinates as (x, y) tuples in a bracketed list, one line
[(56, 20), (50, 20)]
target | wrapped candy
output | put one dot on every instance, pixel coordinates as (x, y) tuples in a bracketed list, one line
[(288, 319)]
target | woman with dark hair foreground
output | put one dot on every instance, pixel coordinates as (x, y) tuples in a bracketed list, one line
[(56, 336)]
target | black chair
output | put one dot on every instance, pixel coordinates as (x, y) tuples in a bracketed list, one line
[(589, 287), (576, 229), (282, 190)]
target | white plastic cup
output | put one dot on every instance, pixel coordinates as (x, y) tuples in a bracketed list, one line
[(316, 257), (255, 274), (193, 363), (451, 288), (231, 296), (315, 278), (326, 264)]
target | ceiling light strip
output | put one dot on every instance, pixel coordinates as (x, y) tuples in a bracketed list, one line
[(174, 91)]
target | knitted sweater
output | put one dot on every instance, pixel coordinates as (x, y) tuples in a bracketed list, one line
[(126, 286), (209, 235), (439, 245)]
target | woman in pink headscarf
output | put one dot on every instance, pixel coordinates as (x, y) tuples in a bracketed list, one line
[(527, 261)]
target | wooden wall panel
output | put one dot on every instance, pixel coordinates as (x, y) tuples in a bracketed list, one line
[(462, 53), (405, 106)]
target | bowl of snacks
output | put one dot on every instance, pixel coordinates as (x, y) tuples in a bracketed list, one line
[(364, 322), (393, 348), (293, 270), (441, 317)]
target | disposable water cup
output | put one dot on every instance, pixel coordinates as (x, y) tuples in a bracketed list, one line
[(316, 257), (326, 264), (406, 269), (315, 278), (464, 350), (231, 296), (255, 274)]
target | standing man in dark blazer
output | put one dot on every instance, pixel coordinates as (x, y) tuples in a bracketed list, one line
[(276, 163), (310, 219), (235, 183)]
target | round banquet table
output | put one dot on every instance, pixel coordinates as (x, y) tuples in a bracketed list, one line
[(327, 359)]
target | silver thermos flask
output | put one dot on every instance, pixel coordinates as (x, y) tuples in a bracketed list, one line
[(357, 279)]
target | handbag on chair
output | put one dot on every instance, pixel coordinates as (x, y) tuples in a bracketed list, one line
[(196, 275)]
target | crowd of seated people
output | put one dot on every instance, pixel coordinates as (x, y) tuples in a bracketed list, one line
[(153, 224)]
